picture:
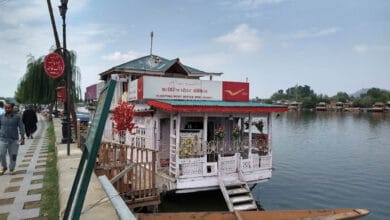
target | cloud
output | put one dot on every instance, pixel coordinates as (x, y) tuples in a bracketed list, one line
[(16, 13), (243, 39), (364, 48), (249, 4), (312, 33), (259, 2), (78, 5), (207, 62), (13, 14), (360, 48), (118, 56)]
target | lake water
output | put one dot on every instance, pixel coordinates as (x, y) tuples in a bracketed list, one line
[(321, 160), (329, 160)]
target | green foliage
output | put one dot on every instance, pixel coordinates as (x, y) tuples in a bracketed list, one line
[(296, 93), (373, 95), (50, 197), (309, 99), (341, 97)]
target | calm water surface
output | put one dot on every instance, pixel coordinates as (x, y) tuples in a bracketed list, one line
[(329, 160), (321, 160)]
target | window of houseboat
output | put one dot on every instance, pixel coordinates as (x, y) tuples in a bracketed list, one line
[(140, 137)]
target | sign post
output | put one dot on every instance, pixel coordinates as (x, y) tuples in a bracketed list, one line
[(61, 94), (88, 158), (54, 65)]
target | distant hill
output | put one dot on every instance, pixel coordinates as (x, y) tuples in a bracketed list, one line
[(363, 91), (359, 92)]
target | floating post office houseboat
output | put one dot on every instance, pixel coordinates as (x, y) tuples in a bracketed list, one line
[(206, 134)]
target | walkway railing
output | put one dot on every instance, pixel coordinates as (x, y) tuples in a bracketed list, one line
[(137, 186)]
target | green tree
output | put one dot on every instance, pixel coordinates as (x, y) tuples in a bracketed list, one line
[(373, 95), (278, 95), (341, 97)]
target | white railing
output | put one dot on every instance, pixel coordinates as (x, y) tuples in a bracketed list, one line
[(198, 167), (195, 148)]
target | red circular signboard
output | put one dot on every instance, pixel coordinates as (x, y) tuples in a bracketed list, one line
[(54, 65)]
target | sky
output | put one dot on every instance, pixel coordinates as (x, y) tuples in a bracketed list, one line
[(331, 45)]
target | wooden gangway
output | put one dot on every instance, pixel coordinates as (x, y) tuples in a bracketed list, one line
[(131, 170)]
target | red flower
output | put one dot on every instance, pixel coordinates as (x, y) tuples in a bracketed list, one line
[(123, 116)]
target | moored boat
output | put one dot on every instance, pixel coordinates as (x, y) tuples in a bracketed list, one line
[(195, 127), (323, 214), (378, 107), (321, 106)]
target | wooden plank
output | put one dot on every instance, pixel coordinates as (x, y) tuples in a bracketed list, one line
[(255, 215), (243, 207), (121, 174), (238, 199), (138, 183), (237, 191)]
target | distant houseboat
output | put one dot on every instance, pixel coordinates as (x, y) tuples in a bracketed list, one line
[(295, 106), (378, 107), (339, 107), (321, 106)]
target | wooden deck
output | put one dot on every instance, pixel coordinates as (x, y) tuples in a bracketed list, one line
[(131, 171)]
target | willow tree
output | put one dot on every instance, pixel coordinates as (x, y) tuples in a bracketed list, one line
[(36, 87)]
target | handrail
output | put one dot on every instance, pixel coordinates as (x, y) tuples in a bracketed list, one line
[(117, 202), (121, 174)]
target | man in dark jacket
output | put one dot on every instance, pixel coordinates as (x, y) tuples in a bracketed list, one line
[(30, 121), (10, 123)]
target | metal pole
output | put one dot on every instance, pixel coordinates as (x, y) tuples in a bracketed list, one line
[(68, 80), (53, 24)]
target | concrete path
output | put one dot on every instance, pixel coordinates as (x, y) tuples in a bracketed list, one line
[(20, 194)]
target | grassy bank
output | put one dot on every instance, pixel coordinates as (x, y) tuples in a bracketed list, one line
[(50, 201)]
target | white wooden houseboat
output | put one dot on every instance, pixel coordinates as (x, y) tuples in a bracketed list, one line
[(198, 127)]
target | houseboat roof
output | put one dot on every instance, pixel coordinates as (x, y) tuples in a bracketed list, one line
[(157, 66), (214, 106)]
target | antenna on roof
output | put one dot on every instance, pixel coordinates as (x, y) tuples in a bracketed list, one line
[(151, 42)]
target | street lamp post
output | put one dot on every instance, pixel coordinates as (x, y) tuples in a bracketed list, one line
[(66, 129)]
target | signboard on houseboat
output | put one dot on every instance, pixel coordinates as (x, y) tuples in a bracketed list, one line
[(150, 87)]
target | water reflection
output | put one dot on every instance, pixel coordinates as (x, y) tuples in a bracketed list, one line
[(321, 160), (324, 159)]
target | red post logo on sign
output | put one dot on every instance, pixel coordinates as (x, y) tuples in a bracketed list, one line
[(61, 94), (54, 65)]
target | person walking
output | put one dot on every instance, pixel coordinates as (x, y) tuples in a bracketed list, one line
[(2, 111), (10, 123), (30, 121)]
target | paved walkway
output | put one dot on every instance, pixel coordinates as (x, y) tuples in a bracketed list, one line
[(20, 194)]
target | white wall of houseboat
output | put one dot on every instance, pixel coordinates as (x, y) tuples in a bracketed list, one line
[(161, 131), (196, 173)]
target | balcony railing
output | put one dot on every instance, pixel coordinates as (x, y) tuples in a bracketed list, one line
[(193, 148)]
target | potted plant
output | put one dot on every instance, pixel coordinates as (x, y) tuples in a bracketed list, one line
[(236, 132), (263, 138), (219, 133), (187, 146)]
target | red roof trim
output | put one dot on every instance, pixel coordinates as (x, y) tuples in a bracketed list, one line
[(223, 109)]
